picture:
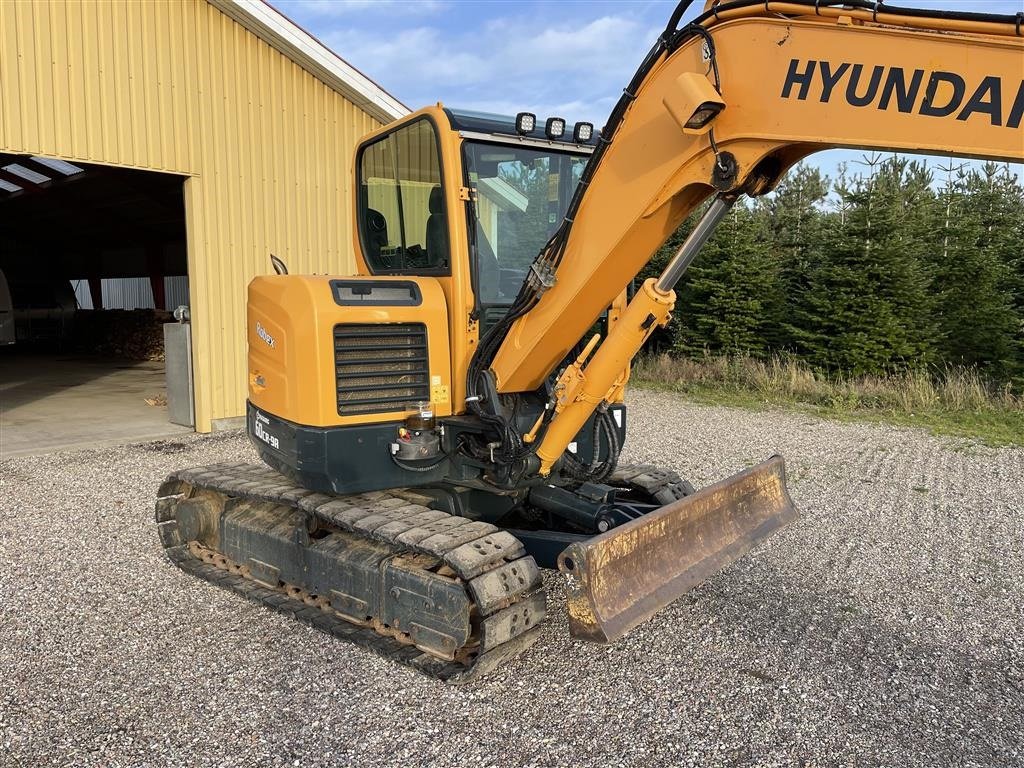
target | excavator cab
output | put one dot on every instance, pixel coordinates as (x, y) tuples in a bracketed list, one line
[(513, 192)]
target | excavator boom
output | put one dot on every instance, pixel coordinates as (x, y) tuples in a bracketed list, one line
[(726, 105), (796, 78)]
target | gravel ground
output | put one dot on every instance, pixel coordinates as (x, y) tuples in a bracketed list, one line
[(882, 628)]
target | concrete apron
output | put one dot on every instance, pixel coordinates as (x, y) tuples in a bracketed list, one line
[(68, 402)]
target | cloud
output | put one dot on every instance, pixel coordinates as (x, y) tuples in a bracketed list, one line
[(570, 59), (334, 8), (572, 69)]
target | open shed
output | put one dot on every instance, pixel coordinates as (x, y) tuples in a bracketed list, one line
[(157, 154)]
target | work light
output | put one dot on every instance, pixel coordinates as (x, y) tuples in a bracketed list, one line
[(703, 115), (554, 127), (525, 122), (583, 132), (693, 102)]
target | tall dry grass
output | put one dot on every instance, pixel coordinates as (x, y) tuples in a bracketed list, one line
[(779, 378)]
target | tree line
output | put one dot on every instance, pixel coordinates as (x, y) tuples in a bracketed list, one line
[(899, 266)]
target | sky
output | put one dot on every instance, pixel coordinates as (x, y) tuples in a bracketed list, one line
[(569, 58)]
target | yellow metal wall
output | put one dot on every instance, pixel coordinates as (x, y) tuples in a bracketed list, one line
[(177, 86)]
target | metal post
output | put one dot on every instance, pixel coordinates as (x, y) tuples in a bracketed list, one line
[(688, 250), (178, 370)]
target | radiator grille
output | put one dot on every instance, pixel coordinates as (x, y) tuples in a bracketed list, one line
[(381, 367)]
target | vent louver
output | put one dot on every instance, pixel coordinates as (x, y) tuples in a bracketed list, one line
[(381, 367)]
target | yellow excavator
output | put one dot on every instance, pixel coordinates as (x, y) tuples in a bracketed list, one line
[(440, 425)]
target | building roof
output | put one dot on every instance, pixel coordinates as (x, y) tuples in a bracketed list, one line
[(20, 173), (276, 29)]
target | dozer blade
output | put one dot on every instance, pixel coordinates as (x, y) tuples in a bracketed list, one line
[(621, 578)]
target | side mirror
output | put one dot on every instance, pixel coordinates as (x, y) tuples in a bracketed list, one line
[(279, 266)]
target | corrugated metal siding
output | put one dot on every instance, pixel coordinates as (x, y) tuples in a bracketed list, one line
[(82, 295), (132, 293), (175, 292), (105, 82), (127, 293), (180, 87)]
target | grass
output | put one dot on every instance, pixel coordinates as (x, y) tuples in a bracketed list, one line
[(950, 401)]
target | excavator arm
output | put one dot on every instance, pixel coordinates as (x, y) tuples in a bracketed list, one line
[(789, 79), (722, 108)]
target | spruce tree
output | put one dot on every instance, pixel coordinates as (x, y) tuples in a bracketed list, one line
[(869, 298), (977, 279), (724, 301), (888, 271), (794, 217)]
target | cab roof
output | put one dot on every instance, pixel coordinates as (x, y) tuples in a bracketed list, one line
[(489, 122)]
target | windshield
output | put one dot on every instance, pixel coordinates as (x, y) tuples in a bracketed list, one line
[(522, 195)]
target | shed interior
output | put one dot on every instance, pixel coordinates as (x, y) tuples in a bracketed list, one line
[(92, 264)]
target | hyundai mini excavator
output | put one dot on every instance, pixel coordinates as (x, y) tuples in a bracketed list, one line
[(440, 425)]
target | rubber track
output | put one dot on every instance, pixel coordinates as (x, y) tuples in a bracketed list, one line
[(663, 485), (500, 578)]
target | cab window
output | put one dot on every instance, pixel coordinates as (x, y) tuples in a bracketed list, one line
[(523, 192), (403, 228)]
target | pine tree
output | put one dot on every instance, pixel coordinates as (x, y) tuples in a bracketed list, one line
[(724, 301), (869, 298), (978, 313)]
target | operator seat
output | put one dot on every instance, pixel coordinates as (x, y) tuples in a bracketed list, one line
[(376, 233), (437, 230)]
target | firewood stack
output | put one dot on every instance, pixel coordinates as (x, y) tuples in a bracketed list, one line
[(128, 334)]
